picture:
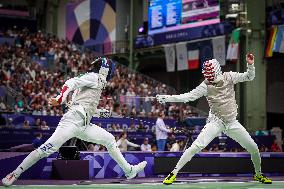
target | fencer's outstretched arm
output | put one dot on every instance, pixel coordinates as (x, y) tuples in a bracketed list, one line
[(88, 79), (246, 76), (196, 93)]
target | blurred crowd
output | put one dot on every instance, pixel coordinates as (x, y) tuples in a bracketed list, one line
[(35, 66)]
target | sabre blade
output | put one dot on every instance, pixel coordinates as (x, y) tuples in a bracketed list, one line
[(143, 97)]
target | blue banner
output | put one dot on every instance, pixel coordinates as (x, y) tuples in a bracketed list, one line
[(192, 33), (185, 35)]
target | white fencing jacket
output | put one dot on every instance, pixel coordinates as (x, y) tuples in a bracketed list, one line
[(220, 96)]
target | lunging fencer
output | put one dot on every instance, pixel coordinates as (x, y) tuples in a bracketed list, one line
[(87, 89), (218, 88)]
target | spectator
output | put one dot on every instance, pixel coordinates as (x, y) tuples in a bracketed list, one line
[(118, 129), (168, 147), (116, 110), (37, 141), (38, 123), (132, 128), (161, 132), (26, 125), (93, 147), (214, 148), (124, 110), (123, 143), (130, 97), (277, 132), (19, 106), (10, 124), (2, 105), (176, 147), (154, 148), (141, 128), (112, 128), (263, 149), (275, 147), (37, 110), (171, 139), (146, 147), (44, 126), (102, 148)]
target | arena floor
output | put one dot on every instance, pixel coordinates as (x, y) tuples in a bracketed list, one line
[(155, 183)]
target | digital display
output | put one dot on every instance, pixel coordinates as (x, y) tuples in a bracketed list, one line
[(170, 15)]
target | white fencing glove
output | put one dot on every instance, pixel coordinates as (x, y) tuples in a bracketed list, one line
[(162, 98)]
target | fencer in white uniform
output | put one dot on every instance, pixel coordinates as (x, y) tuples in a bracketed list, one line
[(218, 88), (87, 89)]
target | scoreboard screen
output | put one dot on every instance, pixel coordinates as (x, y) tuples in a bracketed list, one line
[(170, 15)]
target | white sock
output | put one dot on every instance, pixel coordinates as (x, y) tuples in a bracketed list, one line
[(115, 153), (30, 160), (186, 156)]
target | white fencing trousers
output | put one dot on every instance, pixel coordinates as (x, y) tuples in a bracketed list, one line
[(72, 124), (213, 129)]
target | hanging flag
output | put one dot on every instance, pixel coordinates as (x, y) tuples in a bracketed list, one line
[(181, 51), (279, 41), (170, 57), (219, 50), (205, 50), (233, 48), (193, 59), (271, 41)]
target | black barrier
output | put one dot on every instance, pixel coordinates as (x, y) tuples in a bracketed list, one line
[(71, 169), (218, 165)]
